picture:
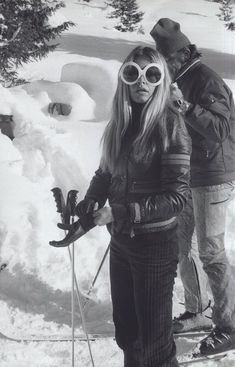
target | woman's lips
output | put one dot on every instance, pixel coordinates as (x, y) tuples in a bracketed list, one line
[(142, 91)]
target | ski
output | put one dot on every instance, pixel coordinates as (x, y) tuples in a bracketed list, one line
[(92, 337), (56, 338), (184, 359), (192, 334), (189, 359)]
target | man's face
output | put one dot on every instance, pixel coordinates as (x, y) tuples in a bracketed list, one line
[(175, 62)]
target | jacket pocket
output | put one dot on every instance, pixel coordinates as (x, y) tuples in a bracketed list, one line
[(208, 156)]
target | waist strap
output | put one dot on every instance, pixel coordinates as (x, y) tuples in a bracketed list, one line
[(150, 227), (156, 224)]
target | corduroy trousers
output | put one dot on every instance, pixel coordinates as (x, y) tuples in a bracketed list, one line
[(142, 272)]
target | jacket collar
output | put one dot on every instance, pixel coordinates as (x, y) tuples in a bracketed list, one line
[(189, 66)]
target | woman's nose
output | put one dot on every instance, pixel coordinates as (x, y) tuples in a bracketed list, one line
[(141, 80)]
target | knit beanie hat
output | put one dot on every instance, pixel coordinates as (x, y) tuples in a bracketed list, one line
[(168, 36)]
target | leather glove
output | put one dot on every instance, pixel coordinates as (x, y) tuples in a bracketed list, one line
[(85, 206)]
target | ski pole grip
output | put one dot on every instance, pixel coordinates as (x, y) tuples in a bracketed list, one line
[(72, 201), (59, 199)]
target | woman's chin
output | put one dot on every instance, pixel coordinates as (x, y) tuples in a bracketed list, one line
[(140, 98)]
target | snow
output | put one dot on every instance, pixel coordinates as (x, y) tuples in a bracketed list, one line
[(63, 151), (97, 78)]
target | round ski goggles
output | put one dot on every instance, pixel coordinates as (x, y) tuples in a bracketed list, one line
[(131, 72)]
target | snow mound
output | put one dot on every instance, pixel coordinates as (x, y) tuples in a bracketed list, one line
[(98, 79), (70, 93), (8, 153)]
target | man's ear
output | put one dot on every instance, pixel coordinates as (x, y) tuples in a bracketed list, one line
[(186, 54)]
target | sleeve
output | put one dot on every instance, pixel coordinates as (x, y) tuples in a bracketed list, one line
[(175, 176), (99, 187), (210, 116)]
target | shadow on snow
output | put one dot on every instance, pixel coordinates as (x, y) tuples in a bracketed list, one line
[(31, 295), (118, 49)]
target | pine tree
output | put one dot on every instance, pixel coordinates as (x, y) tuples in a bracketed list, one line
[(128, 14), (25, 34), (226, 10), (226, 14)]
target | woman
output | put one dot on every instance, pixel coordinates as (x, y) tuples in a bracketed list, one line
[(144, 173)]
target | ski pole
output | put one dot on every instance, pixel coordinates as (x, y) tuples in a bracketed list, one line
[(72, 301), (66, 211), (95, 277), (70, 208), (71, 205), (74, 281), (61, 208), (80, 307), (82, 313)]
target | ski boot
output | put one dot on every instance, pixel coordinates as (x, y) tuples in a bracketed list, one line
[(189, 321), (218, 341)]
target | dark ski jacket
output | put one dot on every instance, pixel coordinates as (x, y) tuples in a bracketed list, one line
[(211, 124), (146, 197)]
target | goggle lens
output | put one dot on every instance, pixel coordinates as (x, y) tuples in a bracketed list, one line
[(130, 73), (153, 74)]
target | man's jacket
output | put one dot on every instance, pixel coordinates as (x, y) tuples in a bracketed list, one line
[(147, 196), (211, 124)]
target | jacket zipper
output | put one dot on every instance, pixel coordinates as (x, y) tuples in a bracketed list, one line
[(132, 233)]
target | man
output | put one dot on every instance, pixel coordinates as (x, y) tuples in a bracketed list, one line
[(209, 112)]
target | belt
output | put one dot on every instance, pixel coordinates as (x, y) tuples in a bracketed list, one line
[(156, 224), (150, 227)]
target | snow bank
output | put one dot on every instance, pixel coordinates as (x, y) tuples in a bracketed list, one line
[(97, 79), (73, 94), (51, 151)]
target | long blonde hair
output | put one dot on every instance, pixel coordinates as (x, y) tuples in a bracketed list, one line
[(153, 117)]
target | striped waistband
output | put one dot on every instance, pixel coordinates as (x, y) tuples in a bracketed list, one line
[(156, 224), (141, 228)]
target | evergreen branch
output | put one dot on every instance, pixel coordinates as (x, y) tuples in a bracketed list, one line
[(27, 33), (15, 34)]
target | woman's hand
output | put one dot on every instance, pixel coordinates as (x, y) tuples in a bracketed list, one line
[(85, 206), (103, 216)]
